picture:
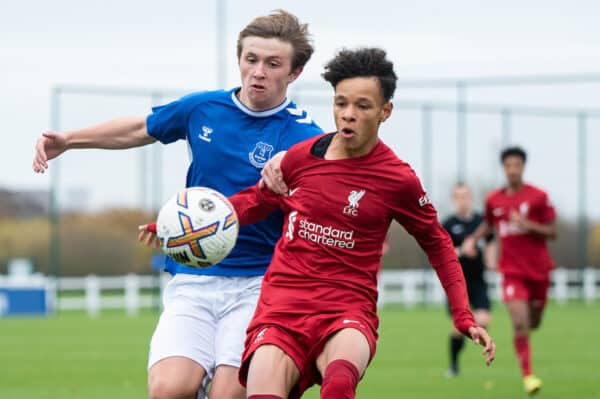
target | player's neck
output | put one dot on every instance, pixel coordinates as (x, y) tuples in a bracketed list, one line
[(343, 149), (242, 95), (465, 215), (514, 188)]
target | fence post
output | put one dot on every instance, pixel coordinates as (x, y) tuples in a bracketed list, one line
[(493, 280), (51, 294), (409, 287), (589, 284), (435, 291), (92, 295), (132, 294), (381, 290), (560, 285)]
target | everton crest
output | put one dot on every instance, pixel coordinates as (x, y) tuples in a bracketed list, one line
[(260, 155)]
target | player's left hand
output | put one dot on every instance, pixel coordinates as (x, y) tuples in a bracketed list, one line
[(272, 175), (480, 336), (147, 235), (518, 219)]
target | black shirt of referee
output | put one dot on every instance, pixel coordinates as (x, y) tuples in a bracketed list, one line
[(473, 268)]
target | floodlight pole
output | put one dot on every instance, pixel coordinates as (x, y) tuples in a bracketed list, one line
[(427, 147), (582, 233), (506, 127), (53, 203), (427, 169), (157, 192), (157, 168), (461, 130), (221, 43)]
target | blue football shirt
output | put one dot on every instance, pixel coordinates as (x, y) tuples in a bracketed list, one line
[(229, 144)]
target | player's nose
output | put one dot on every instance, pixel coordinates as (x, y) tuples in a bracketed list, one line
[(348, 113), (259, 70)]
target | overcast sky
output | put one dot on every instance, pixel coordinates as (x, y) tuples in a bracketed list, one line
[(172, 44)]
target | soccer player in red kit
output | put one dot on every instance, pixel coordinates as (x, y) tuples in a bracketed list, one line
[(316, 319), (524, 220)]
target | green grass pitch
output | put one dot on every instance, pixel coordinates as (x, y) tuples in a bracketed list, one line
[(74, 356)]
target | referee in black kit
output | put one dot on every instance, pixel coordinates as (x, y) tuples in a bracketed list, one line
[(460, 225)]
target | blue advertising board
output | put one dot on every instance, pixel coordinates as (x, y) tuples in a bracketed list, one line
[(23, 301)]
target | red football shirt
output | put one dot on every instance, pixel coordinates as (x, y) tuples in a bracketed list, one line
[(522, 254), (337, 214)]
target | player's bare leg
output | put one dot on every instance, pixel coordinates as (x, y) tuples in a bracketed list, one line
[(519, 311), (455, 347), (175, 377), (343, 361), (483, 317), (457, 340), (536, 311), (519, 315), (225, 384), (271, 372)]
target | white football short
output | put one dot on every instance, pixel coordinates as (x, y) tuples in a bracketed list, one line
[(205, 319)]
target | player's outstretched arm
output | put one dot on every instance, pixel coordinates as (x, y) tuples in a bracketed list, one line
[(480, 336), (254, 204), (490, 255), (115, 134), (272, 176)]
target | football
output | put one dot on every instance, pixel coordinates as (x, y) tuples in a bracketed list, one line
[(197, 227)]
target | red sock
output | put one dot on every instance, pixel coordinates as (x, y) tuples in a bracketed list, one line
[(264, 397), (340, 380), (521, 344)]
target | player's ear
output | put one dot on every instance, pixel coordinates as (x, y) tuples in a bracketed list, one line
[(294, 74), (386, 111)]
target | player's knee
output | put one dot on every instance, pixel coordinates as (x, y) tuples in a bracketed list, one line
[(520, 325), (521, 328), (482, 318), (225, 384), (232, 390), (160, 388), (340, 380), (535, 324)]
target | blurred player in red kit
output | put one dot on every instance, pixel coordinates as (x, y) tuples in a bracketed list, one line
[(523, 218), (316, 319)]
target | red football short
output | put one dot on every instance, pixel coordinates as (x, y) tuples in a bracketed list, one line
[(517, 288), (303, 338)]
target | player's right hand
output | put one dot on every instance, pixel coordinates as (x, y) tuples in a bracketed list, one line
[(469, 247), (272, 175), (147, 235), (49, 146), (480, 336)]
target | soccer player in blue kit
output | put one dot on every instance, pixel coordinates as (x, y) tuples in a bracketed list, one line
[(231, 134)]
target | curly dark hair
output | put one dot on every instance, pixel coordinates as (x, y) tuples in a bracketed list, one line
[(513, 152), (362, 62)]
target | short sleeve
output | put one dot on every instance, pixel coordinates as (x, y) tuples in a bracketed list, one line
[(300, 128), (547, 211), (168, 123)]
